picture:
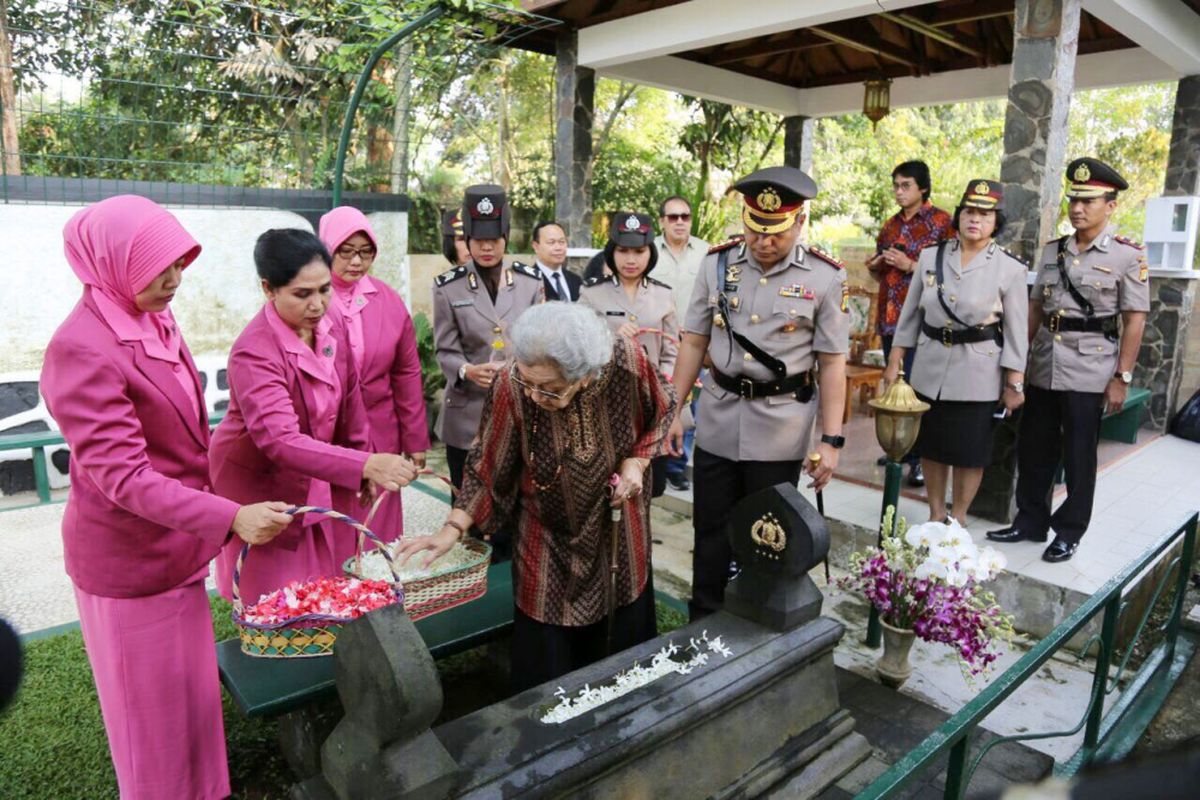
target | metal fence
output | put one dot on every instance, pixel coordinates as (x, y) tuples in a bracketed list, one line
[(1108, 735), (251, 95)]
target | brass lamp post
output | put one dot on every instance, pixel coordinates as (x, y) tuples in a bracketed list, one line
[(897, 422)]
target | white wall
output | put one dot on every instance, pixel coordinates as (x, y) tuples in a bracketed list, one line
[(220, 290)]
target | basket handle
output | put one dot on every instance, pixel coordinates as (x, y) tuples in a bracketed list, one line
[(362, 529), (358, 551)]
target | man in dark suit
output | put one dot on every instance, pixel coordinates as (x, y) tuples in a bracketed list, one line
[(550, 247)]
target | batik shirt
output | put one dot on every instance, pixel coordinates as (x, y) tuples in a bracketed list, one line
[(929, 225)]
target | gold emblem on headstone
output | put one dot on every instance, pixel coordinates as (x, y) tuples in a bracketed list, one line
[(768, 533), (982, 188), (769, 200), (1082, 174)]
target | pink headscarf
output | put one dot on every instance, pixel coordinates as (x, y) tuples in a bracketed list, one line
[(340, 224), (117, 247)]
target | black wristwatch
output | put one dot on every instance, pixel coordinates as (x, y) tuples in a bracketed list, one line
[(836, 442)]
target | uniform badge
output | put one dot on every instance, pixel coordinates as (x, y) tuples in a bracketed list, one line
[(733, 273), (1082, 174), (461, 303), (472, 281), (328, 351), (983, 188), (794, 290), (485, 207), (1105, 270), (508, 278), (769, 200), (1143, 271), (845, 299), (788, 328), (631, 223)]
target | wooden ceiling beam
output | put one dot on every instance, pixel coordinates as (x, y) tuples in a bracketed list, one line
[(771, 48), (931, 32), (870, 43)]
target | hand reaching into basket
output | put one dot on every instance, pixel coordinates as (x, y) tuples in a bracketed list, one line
[(389, 471), (439, 544), (259, 523)]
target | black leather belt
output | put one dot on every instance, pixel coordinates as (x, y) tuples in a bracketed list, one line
[(953, 336), (1056, 322), (801, 385)]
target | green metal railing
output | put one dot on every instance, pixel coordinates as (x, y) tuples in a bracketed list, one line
[(1107, 736), (38, 441)]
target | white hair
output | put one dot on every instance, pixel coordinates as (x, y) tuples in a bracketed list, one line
[(569, 336)]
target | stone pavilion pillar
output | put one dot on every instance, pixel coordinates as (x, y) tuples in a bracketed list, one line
[(574, 91), (1183, 159), (798, 135)]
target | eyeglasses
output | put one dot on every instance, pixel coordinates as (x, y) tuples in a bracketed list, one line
[(529, 387), (677, 217), (348, 253)]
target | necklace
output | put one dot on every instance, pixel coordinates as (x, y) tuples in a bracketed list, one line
[(533, 437)]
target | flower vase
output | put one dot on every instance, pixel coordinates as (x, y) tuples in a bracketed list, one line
[(893, 667)]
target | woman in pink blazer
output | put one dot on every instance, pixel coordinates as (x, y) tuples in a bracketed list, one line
[(383, 345), (296, 426), (141, 523)]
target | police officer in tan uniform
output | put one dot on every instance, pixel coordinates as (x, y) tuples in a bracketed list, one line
[(1087, 313), (770, 313), (636, 305), (966, 314), (630, 300), (473, 305)]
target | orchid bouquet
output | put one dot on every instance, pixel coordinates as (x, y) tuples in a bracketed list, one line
[(926, 578)]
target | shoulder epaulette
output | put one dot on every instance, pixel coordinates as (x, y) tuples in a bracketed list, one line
[(450, 275), (657, 282), (725, 245), (595, 280), (1014, 256), (1130, 242), (828, 259), (527, 270)]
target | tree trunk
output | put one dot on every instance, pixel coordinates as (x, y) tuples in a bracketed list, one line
[(10, 141), (401, 117)]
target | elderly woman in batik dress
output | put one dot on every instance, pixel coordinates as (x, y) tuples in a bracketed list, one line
[(568, 431)]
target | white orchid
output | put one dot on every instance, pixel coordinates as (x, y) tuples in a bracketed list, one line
[(990, 562), (926, 535)]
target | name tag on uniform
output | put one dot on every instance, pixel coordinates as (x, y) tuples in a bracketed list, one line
[(461, 303), (797, 290), (1105, 270), (614, 313)]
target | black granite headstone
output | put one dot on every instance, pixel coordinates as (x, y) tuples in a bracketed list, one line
[(777, 537)]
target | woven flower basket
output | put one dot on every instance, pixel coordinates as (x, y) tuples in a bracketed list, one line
[(307, 636)]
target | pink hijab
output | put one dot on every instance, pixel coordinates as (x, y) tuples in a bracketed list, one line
[(339, 225), (119, 245)]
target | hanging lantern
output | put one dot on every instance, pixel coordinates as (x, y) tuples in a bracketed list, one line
[(877, 99)]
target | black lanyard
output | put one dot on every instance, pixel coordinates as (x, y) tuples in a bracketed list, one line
[(1088, 310)]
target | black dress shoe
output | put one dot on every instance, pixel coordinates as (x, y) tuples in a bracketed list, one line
[(679, 483), (1060, 550), (916, 475), (1014, 534)]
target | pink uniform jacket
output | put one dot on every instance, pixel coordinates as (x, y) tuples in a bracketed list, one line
[(264, 448), (141, 518)]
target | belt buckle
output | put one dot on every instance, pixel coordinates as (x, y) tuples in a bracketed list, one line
[(746, 387), (947, 336), (1054, 322)]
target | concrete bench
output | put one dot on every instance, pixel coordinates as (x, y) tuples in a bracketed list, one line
[(267, 687)]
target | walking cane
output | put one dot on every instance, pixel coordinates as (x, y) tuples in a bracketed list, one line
[(815, 458), (610, 596)]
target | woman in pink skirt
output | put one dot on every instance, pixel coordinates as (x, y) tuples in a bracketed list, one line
[(383, 345), (141, 523), (296, 426)]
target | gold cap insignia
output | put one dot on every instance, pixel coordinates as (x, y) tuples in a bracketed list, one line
[(769, 200), (982, 188), (1082, 174)]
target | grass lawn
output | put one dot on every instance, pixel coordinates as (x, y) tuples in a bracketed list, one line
[(52, 743)]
